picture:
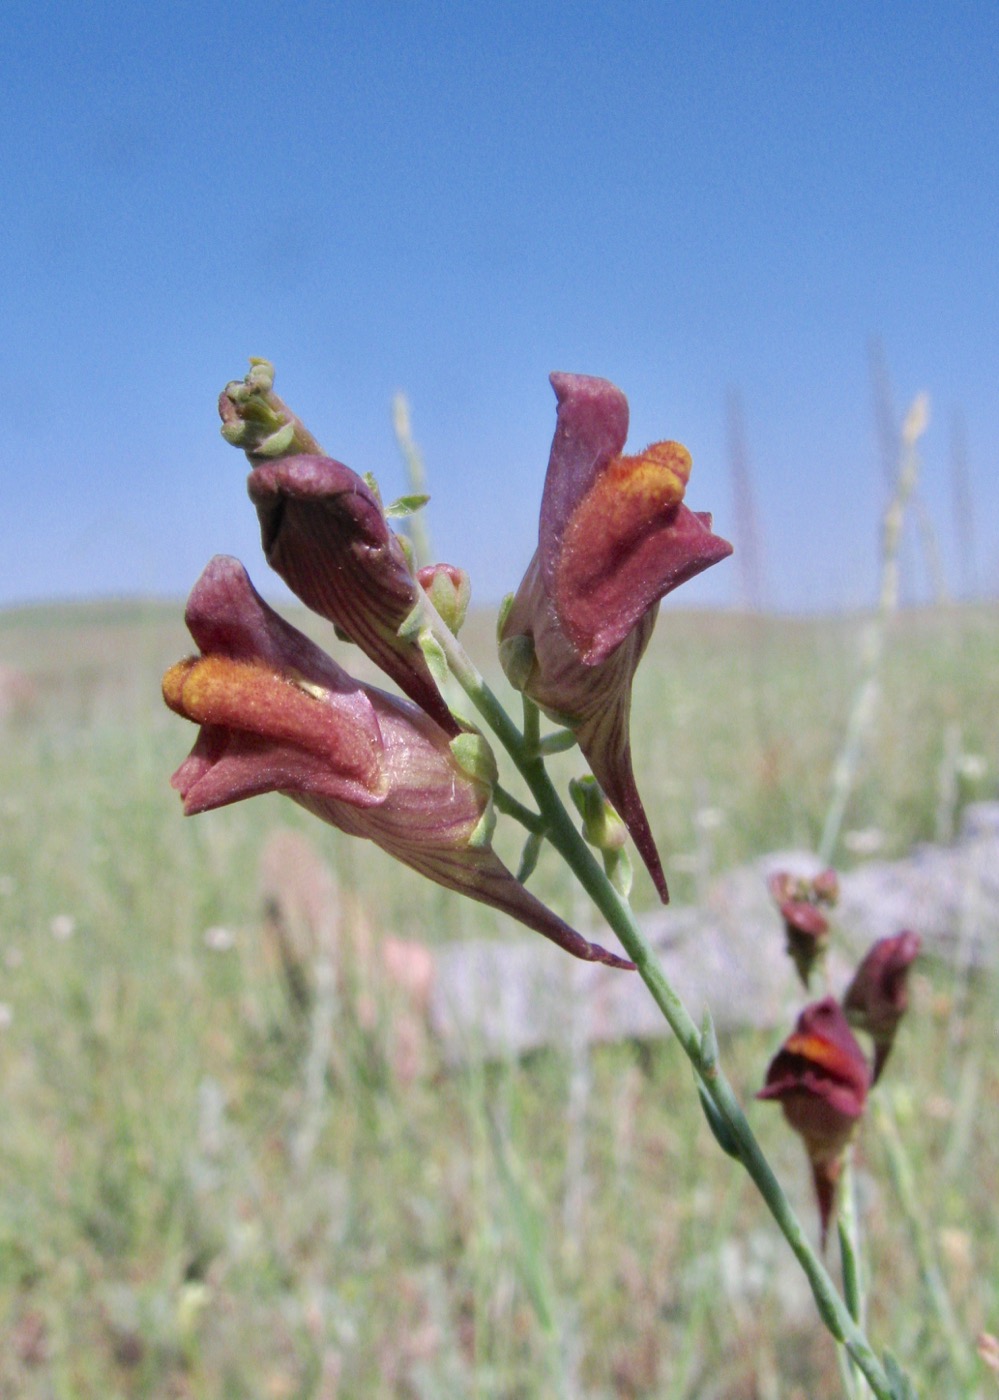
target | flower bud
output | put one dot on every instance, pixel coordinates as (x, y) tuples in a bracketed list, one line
[(602, 826), (449, 589), (805, 926), (878, 997)]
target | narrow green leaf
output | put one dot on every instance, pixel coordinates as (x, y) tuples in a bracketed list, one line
[(434, 656), (902, 1387), (720, 1130), (406, 505), (851, 1270), (709, 1043), (529, 856)]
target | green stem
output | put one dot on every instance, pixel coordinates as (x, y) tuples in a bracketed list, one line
[(510, 807), (848, 1227), (562, 833), (901, 1173), (532, 728)]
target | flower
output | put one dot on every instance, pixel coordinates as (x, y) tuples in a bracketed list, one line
[(821, 1078), (324, 531), (279, 715), (805, 925), (614, 538), (878, 997)]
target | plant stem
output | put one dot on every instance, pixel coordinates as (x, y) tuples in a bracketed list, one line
[(852, 1261), (900, 1170), (875, 632), (510, 807), (562, 832)]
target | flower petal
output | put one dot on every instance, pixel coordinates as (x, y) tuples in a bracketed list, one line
[(324, 532), (593, 701), (278, 715), (614, 536), (878, 996)]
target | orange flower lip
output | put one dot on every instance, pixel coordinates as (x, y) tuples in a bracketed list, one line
[(248, 696), (821, 1059), (630, 498), (277, 714), (614, 538), (819, 1051)]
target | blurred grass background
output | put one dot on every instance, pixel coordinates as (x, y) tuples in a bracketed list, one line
[(562, 1226)]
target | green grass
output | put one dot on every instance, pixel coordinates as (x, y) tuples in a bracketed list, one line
[(496, 1233)]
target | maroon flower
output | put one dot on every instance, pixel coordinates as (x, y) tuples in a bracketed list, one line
[(878, 997), (805, 925), (324, 531), (821, 1078), (279, 715), (614, 538)]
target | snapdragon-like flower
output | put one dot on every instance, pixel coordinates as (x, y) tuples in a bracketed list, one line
[(821, 1078), (614, 538), (279, 715), (878, 997), (806, 927), (324, 530)]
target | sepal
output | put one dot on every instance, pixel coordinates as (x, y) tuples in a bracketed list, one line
[(517, 656), (405, 506), (474, 756)]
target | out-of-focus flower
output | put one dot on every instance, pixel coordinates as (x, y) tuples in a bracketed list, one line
[(821, 1078), (279, 715), (614, 538), (805, 925), (324, 530), (825, 887), (878, 997)]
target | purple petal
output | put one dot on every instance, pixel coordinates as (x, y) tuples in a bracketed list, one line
[(324, 532)]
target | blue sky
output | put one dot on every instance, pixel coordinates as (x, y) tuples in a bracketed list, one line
[(455, 200)]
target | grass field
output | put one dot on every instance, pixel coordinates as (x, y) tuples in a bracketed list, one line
[(184, 1213)]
